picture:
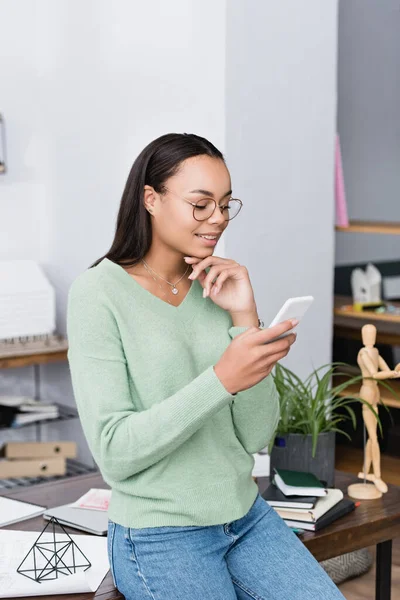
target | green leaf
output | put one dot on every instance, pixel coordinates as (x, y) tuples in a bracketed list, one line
[(312, 406)]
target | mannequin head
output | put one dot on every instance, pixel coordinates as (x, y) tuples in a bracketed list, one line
[(368, 334)]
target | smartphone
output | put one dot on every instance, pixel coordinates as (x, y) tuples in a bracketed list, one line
[(294, 308)]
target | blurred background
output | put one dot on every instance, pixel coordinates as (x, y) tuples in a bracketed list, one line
[(84, 86)]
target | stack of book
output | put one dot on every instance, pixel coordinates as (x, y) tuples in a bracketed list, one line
[(303, 502), (16, 411)]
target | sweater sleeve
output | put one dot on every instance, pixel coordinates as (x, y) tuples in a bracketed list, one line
[(123, 440), (255, 412)]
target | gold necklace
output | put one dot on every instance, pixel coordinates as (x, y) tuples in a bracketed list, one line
[(174, 288)]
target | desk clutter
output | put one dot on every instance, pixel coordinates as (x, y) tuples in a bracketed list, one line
[(32, 459), (372, 292), (303, 502)]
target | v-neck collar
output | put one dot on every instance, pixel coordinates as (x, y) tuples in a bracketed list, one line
[(185, 307)]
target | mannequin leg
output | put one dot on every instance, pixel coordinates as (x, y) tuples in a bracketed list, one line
[(367, 457), (371, 425)]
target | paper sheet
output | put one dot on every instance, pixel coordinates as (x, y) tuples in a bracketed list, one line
[(14, 545)]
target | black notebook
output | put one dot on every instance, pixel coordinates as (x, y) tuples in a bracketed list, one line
[(275, 497), (339, 510)]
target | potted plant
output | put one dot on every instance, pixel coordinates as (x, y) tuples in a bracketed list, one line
[(311, 413)]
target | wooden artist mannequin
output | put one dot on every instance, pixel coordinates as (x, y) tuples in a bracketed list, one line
[(372, 366)]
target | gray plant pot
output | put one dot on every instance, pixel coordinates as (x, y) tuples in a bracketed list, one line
[(293, 451)]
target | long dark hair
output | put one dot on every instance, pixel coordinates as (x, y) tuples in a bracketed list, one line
[(155, 164)]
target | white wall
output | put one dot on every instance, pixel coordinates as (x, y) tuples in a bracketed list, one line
[(84, 87), (281, 120)]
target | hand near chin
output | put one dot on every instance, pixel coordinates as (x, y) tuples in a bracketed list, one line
[(227, 283)]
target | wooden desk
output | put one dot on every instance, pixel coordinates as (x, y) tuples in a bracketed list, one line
[(374, 522)]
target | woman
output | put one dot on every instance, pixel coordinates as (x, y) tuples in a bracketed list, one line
[(172, 378)]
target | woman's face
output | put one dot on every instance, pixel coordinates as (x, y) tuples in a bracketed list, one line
[(198, 179)]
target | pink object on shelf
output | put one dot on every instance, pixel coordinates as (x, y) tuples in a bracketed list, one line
[(340, 195)]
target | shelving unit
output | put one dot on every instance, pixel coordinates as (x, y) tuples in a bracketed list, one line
[(35, 353), (366, 315), (381, 227), (347, 321)]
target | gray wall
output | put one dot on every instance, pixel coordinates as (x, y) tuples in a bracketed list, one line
[(369, 123), (280, 128)]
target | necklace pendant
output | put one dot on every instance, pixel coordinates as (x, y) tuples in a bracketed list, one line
[(174, 290)]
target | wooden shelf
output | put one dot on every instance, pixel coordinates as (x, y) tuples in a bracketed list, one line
[(387, 397), (388, 228), (348, 333), (20, 354), (366, 315)]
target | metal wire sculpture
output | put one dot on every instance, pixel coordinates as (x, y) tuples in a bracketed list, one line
[(49, 559)]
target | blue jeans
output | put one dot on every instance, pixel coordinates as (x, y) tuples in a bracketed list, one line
[(256, 557)]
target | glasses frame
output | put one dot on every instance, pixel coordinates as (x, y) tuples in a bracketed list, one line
[(194, 204)]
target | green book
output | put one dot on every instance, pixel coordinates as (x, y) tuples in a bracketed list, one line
[(296, 483)]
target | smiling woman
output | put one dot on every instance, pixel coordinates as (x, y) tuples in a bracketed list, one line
[(162, 208), (172, 380)]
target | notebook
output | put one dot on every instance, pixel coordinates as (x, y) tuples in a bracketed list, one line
[(92, 521), (312, 515), (276, 498), (13, 511), (342, 508), (296, 483)]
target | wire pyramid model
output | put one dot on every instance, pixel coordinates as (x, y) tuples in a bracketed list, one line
[(47, 560)]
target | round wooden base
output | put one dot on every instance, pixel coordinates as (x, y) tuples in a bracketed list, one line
[(363, 491)]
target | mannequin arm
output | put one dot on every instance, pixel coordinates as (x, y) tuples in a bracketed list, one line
[(382, 364), (373, 370)]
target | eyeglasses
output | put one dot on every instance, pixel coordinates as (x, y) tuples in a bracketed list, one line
[(204, 208)]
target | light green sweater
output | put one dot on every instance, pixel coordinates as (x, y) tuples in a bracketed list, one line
[(173, 444)]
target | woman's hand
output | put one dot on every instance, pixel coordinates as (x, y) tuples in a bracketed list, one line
[(231, 289), (251, 356)]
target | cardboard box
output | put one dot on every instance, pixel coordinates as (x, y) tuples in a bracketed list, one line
[(32, 468), (39, 449)]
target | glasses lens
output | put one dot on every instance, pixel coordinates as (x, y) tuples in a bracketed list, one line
[(205, 208), (234, 207)]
